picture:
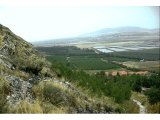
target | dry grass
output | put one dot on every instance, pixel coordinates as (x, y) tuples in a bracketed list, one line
[(153, 108), (4, 91), (26, 108), (103, 101), (129, 107), (1, 40), (64, 100), (22, 75), (55, 98), (142, 65), (140, 97), (49, 108), (144, 100)]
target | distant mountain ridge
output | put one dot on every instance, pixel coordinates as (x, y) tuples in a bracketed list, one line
[(105, 34), (108, 31)]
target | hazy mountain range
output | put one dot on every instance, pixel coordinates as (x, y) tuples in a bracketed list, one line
[(108, 31), (106, 34)]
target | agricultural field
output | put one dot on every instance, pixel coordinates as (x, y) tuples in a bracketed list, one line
[(145, 65), (83, 59), (107, 44), (65, 50), (111, 49), (83, 63), (59, 58), (90, 61), (146, 54), (92, 64)]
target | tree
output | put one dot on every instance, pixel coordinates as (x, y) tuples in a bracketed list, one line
[(153, 95), (136, 87), (121, 92)]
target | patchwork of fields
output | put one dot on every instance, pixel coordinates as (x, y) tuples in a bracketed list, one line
[(109, 49), (89, 60), (84, 63), (145, 65)]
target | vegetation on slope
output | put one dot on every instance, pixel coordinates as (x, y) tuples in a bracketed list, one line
[(27, 72), (5, 89), (71, 66), (98, 84), (16, 53), (19, 63)]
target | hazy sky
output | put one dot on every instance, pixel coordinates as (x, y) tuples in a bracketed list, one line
[(42, 23)]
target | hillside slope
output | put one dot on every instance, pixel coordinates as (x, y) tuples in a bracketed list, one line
[(16, 53), (20, 66), (29, 85)]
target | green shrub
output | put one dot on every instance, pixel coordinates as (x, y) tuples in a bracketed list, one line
[(53, 93), (4, 91), (153, 95)]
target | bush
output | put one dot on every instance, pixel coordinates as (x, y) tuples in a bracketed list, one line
[(121, 93), (136, 87), (153, 95), (98, 84), (53, 93), (4, 91)]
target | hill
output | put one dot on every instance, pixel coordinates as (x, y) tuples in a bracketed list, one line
[(28, 84), (20, 66), (119, 34), (127, 29)]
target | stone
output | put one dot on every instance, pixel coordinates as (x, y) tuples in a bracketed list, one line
[(20, 90)]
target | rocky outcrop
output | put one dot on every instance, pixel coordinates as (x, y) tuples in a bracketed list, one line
[(16, 52), (6, 62), (21, 90), (21, 65)]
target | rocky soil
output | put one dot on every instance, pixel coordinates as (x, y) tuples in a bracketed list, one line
[(21, 90)]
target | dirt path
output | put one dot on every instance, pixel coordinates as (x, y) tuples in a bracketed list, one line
[(142, 109)]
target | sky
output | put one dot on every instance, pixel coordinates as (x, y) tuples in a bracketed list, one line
[(43, 23)]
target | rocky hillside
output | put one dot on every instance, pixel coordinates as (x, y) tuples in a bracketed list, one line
[(16, 53), (20, 66), (28, 85)]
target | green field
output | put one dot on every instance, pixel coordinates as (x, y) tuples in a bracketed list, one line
[(83, 59), (146, 65), (84, 63), (87, 59), (147, 54), (65, 50), (118, 58), (59, 58)]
